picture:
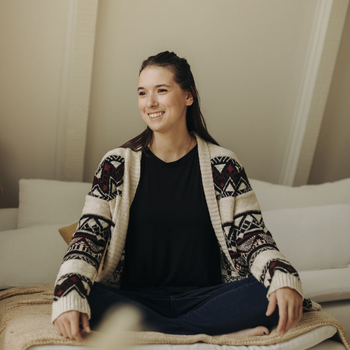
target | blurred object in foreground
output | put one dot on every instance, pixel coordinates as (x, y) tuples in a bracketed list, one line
[(114, 332)]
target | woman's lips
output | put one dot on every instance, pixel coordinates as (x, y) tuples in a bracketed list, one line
[(155, 114)]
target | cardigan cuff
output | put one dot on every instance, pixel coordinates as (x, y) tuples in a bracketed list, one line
[(282, 279), (71, 302)]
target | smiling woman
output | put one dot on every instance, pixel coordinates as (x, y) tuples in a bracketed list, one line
[(167, 78), (180, 228), (162, 99)]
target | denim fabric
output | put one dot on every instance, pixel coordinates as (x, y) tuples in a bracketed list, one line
[(214, 310)]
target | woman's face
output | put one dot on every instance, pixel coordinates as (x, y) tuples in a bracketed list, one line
[(161, 100)]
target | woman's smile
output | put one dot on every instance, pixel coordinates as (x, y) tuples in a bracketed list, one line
[(154, 115)]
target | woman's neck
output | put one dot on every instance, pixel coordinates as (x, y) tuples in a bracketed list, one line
[(172, 148)]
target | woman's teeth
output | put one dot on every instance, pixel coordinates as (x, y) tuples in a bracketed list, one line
[(155, 115)]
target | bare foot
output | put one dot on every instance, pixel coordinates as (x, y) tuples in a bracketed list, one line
[(251, 332)]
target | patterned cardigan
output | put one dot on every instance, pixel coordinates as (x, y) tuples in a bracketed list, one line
[(246, 245)]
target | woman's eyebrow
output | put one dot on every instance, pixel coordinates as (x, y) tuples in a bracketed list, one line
[(163, 85), (157, 86)]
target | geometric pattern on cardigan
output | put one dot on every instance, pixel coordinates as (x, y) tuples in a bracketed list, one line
[(108, 178), (284, 266), (88, 244), (115, 279), (243, 223), (277, 265), (227, 273), (307, 304), (89, 241), (72, 282), (252, 236), (230, 179), (246, 237)]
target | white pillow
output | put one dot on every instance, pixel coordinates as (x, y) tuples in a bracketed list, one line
[(30, 256), (326, 285), (271, 196), (45, 202), (312, 238)]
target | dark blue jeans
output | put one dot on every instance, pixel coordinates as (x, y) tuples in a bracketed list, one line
[(220, 309)]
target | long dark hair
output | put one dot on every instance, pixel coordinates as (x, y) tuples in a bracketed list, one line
[(184, 78)]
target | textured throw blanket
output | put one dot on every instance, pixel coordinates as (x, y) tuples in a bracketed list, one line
[(25, 321)]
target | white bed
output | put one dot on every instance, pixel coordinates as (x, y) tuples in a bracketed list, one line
[(322, 213)]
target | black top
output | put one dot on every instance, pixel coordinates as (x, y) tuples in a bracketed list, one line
[(171, 245)]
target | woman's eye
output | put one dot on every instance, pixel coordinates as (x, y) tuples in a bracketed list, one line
[(142, 93), (162, 90)]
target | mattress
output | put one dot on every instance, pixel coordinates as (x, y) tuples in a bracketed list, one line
[(316, 339)]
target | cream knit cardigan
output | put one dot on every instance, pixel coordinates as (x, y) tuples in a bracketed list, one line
[(246, 245)]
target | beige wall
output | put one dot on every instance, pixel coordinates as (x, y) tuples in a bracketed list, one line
[(332, 157), (247, 58), (32, 37)]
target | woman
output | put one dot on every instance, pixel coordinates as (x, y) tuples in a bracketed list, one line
[(184, 235)]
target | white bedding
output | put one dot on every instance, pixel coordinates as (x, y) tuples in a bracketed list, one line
[(36, 219), (302, 342)]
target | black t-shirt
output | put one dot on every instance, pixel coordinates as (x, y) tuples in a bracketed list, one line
[(171, 245)]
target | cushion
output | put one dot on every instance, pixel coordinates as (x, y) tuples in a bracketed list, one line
[(67, 232), (30, 256), (271, 196), (46, 202), (312, 238), (326, 285)]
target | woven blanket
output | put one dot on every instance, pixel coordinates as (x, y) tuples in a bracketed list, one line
[(25, 321)]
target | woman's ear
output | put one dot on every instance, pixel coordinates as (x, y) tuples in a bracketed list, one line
[(189, 98)]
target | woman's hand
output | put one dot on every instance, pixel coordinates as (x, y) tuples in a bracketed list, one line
[(290, 308), (67, 324)]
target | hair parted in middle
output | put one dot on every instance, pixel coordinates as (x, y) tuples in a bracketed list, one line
[(184, 78)]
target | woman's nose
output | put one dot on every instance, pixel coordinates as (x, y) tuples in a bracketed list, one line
[(152, 101)]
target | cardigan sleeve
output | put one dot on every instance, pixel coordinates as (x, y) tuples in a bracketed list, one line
[(250, 245), (256, 245), (84, 254)]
